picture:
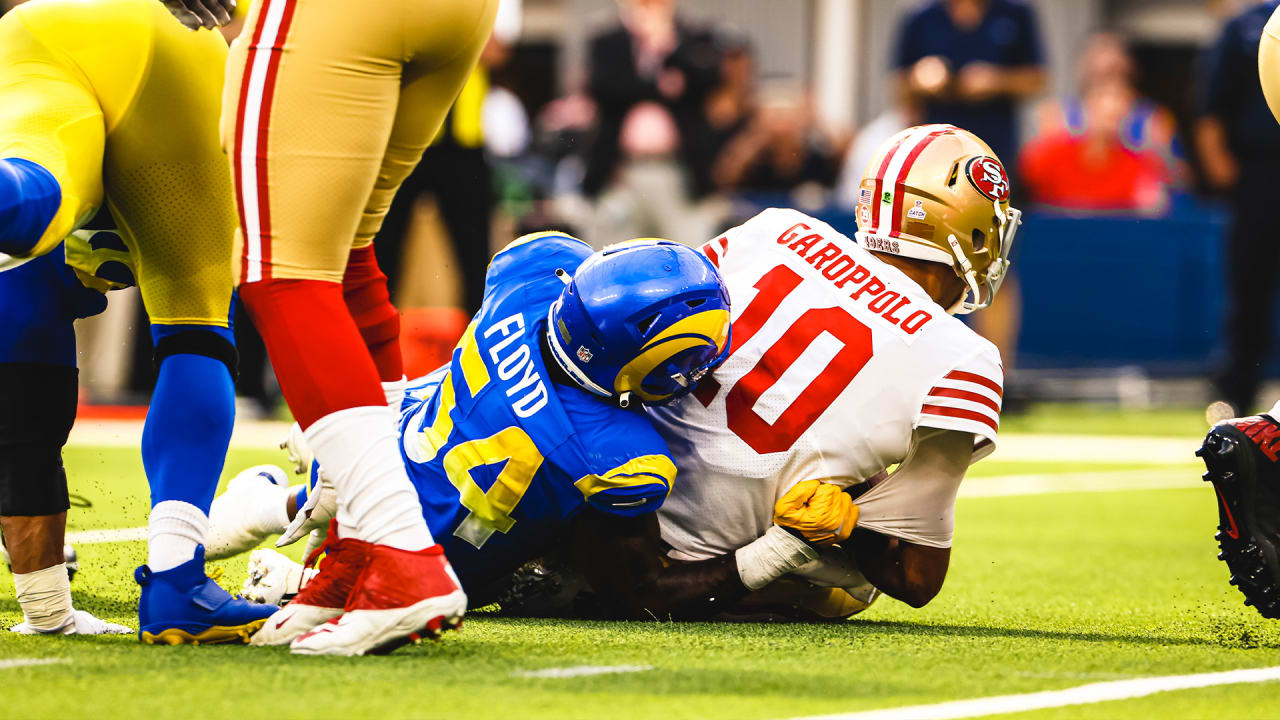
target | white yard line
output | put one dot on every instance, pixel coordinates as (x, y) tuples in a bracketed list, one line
[(580, 671), (255, 434), (1081, 695), (28, 662), (96, 537)]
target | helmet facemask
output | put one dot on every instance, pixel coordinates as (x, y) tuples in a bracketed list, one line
[(973, 298)]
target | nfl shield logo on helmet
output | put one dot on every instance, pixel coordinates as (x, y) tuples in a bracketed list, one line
[(988, 177), (584, 354)]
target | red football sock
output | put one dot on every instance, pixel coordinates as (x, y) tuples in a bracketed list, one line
[(364, 288), (315, 346)]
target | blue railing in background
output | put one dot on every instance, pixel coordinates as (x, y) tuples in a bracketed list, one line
[(1112, 290)]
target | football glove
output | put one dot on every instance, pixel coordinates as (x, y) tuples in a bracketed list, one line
[(822, 513)]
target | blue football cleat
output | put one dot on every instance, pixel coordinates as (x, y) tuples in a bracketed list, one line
[(183, 605)]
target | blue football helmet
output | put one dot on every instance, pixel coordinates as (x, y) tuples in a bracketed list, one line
[(646, 318)]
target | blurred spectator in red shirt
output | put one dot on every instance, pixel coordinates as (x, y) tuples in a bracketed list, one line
[(1107, 149)]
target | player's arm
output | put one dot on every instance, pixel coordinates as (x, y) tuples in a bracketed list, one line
[(622, 559), (904, 524)]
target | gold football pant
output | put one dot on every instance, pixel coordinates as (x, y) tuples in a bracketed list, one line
[(1269, 63), (328, 106)]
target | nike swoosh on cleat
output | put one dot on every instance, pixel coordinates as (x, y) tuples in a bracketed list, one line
[(1233, 531), (282, 622)]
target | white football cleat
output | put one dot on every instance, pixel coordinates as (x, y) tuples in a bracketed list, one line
[(250, 510), (401, 597), (273, 578), (81, 622)]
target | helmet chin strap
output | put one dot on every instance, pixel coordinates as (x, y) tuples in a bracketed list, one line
[(964, 306)]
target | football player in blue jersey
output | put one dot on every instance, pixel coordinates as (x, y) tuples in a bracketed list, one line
[(534, 420)]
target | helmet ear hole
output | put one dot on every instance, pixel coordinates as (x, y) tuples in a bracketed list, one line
[(979, 240)]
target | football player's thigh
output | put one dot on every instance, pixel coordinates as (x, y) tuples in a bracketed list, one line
[(169, 186), (447, 37), (309, 130), (49, 117)]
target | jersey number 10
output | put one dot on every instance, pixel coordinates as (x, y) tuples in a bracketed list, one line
[(778, 436)]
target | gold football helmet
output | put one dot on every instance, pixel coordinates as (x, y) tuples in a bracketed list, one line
[(938, 193)]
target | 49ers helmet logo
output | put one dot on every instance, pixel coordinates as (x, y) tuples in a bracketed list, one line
[(987, 175)]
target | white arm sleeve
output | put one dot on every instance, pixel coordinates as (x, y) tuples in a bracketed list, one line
[(917, 502)]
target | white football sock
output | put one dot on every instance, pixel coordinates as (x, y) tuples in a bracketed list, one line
[(174, 531), (45, 598), (358, 449), (393, 390)]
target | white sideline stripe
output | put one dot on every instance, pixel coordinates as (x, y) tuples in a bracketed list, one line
[(1081, 695), (97, 537), (251, 434), (1082, 482), (580, 671), (28, 662)]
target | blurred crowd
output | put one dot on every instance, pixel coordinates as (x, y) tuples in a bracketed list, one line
[(668, 129)]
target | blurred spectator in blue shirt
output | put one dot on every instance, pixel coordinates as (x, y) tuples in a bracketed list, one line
[(1238, 141), (969, 62)]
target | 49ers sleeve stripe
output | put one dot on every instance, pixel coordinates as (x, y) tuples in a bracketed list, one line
[(977, 379), (958, 394), (257, 90), (963, 414)]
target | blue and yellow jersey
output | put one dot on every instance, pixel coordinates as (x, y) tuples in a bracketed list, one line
[(502, 456)]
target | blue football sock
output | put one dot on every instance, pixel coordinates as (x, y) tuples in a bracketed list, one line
[(29, 198), (188, 428)]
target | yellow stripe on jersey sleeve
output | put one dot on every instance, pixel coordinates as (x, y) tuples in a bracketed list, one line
[(644, 470), (474, 372)]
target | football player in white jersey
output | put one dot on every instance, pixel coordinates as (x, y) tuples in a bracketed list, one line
[(846, 361)]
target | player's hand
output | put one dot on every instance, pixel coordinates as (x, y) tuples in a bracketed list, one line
[(822, 513), (195, 14), (321, 506)]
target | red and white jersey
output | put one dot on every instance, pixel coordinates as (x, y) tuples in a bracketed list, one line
[(837, 357)]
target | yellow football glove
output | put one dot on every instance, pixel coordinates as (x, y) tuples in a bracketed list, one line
[(823, 513)]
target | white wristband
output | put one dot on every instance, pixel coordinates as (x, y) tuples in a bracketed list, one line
[(771, 556)]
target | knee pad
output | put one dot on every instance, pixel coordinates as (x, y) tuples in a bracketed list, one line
[(198, 342), (37, 411), (29, 199)]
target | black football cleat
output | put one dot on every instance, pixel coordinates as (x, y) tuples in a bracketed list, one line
[(1241, 458)]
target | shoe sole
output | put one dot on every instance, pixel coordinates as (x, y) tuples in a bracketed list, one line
[(216, 635), (441, 614), (1249, 554)]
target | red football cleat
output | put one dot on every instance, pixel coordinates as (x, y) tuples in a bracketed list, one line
[(324, 597), (401, 597)]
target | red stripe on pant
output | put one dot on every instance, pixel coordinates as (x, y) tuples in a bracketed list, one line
[(236, 142)]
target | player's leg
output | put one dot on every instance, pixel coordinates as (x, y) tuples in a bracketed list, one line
[(444, 39), (169, 189), (309, 108), (1240, 456), (51, 141), (37, 408), (364, 289)]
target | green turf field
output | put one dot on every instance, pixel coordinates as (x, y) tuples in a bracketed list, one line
[(1046, 591)]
